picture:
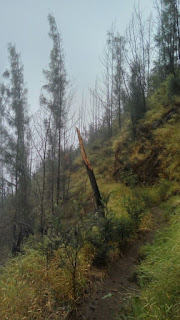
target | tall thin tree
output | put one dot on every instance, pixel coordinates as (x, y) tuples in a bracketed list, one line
[(56, 86), (17, 157)]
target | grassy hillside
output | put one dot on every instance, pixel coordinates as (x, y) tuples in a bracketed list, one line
[(56, 271), (155, 154), (154, 160)]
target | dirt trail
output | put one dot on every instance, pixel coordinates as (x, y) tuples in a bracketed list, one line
[(109, 299)]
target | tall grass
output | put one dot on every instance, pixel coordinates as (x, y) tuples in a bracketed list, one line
[(29, 289), (159, 277)]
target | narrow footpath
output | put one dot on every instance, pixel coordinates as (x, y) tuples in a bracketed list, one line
[(108, 301)]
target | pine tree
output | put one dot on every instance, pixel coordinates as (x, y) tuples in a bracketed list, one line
[(106, 89), (56, 87), (17, 156), (136, 98), (168, 37), (1, 150), (119, 44)]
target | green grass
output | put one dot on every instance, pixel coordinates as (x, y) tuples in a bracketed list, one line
[(159, 277)]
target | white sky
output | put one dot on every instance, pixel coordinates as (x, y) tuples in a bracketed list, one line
[(83, 25)]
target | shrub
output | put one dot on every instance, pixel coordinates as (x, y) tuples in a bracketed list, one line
[(135, 207), (128, 177), (174, 83), (110, 232), (101, 238), (123, 231), (147, 197), (163, 189)]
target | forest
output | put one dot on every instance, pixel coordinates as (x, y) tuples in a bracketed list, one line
[(90, 211)]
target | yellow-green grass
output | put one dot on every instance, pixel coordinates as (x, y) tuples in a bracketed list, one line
[(159, 276), (32, 289)]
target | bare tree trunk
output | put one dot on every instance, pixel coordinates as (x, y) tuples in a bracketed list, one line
[(52, 180), (59, 166)]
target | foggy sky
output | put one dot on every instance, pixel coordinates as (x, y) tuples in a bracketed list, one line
[(83, 25)]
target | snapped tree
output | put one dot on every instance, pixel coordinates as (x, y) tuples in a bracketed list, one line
[(97, 195)]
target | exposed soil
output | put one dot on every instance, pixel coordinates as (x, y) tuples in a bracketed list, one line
[(108, 300)]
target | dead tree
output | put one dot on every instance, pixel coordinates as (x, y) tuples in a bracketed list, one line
[(90, 172)]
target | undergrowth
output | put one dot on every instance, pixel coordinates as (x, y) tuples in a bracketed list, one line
[(159, 273), (48, 279), (54, 272)]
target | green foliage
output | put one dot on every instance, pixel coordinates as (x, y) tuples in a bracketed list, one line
[(101, 237), (48, 279), (163, 189), (135, 208), (171, 207), (168, 138), (174, 84), (53, 274), (167, 37), (128, 177), (156, 103), (123, 231), (147, 197), (110, 232), (160, 277), (159, 193), (16, 151), (68, 239)]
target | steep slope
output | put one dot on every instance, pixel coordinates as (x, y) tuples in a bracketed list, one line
[(155, 154), (57, 272)]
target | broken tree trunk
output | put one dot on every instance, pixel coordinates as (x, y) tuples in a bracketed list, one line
[(97, 195)]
